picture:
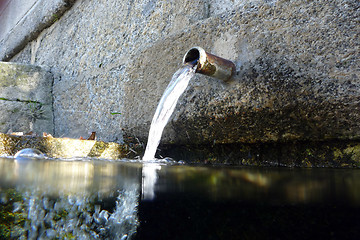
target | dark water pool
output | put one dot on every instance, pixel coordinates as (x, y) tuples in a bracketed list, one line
[(91, 199)]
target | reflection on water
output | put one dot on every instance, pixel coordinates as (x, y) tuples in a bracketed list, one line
[(275, 185), (69, 200), (91, 199)]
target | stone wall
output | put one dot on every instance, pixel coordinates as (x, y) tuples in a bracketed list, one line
[(25, 99), (297, 69)]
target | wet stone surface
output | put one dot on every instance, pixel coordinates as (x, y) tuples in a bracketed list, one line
[(64, 147), (337, 154)]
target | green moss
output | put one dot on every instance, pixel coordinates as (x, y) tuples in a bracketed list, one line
[(14, 75), (354, 151), (55, 18), (337, 153), (333, 153), (69, 236), (8, 218), (61, 214), (63, 147), (98, 149)]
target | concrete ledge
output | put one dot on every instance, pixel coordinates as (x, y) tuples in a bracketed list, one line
[(64, 147), (24, 20)]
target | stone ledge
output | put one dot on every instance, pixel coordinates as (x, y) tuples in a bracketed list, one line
[(64, 147)]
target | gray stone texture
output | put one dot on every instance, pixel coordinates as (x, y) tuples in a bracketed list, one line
[(23, 20), (297, 69), (25, 98)]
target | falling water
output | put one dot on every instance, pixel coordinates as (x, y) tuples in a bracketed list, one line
[(166, 107)]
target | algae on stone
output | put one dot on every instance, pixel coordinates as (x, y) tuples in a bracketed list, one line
[(64, 147)]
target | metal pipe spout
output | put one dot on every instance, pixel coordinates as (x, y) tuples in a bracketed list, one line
[(210, 65)]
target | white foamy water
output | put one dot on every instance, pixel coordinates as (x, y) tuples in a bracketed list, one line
[(166, 106)]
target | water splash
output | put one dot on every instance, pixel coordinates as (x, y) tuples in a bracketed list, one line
[(166, 106), (149, 178), (76, 216)]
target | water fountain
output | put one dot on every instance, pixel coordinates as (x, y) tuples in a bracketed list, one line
[(196, 60), (45, 197)]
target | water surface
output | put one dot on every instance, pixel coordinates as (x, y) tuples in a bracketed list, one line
[(92, 199)]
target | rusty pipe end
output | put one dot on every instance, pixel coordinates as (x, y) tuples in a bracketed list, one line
[(209, 64)]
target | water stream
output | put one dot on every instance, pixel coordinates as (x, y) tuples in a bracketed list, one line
[(166, 106)]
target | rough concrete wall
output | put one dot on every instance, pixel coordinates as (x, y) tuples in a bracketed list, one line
[(22, 20), (25, 99), (297, 69)]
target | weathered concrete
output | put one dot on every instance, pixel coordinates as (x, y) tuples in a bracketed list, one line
[(23, 20), (298, 76), (297, 69), (25, 98), (90, 57)]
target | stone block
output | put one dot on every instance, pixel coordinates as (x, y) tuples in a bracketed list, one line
[(25, 98), (89, 55)]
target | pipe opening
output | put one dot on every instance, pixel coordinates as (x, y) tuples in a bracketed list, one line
[(209, 65), (192, 56)]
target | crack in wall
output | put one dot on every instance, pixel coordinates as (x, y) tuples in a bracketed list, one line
[(19, 100)]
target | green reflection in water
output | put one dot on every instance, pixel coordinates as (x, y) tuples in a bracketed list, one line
[(275, 185)]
